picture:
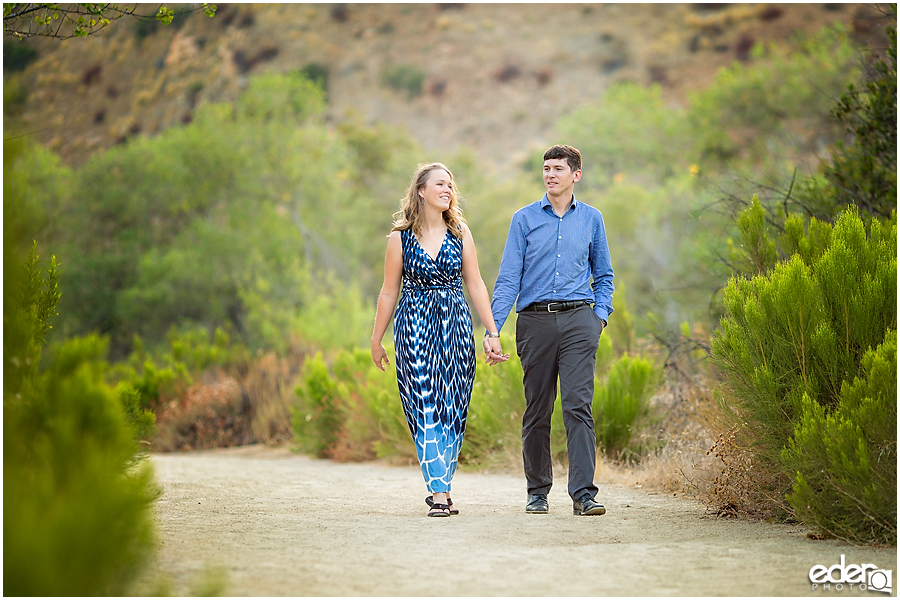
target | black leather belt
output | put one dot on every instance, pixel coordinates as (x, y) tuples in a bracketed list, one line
[(555, 306)]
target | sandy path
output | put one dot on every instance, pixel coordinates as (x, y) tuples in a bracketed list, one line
[(278, 524)]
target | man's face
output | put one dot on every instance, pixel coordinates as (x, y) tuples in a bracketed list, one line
[(559, 179)]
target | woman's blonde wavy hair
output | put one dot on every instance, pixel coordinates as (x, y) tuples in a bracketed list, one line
[(411, 214)]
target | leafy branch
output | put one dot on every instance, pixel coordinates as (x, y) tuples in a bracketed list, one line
[(64, 21)]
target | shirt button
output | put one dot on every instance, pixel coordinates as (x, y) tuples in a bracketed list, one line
[(557, 273), (560, 237), (558, 255)]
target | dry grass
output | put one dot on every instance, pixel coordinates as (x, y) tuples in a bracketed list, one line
[(213, 415), (703, 455), (269, 385), (250, 405)]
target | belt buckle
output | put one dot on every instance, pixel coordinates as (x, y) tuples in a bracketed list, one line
[(552, 311)]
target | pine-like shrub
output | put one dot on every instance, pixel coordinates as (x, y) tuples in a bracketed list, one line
[(77, 499), (494, 425), (622, 402), (846, 460), (797, 333), (350, 410), (317, 416)]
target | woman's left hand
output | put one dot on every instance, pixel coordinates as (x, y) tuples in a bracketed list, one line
[(493, 352)]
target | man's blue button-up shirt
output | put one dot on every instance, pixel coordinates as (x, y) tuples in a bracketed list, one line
[(551, 258)]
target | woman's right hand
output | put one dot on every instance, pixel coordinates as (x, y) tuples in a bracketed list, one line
[(379, 355)]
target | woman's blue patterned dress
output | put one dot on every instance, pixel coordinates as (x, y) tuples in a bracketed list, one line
[(435, 354)]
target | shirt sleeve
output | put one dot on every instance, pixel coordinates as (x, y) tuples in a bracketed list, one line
[(509, 279), (601, 271)]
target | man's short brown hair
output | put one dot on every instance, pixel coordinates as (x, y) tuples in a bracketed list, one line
[(571, 155)]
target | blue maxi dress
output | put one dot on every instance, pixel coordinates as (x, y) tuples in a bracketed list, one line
[(435, 355)]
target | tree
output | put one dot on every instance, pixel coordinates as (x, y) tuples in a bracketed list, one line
[(865, 173), (77, 20)]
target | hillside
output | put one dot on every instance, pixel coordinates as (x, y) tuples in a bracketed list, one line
[(494, 77)]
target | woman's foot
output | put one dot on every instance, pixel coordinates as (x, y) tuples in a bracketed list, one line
[(429, 500), (439, 510)]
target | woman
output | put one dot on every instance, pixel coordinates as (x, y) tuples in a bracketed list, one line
[(430, 250)]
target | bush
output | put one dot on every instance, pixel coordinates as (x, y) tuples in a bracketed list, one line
[(622, 404), (785, 95), (352, 411), (796, 334), (494, 425), (77, 517), (352, 414), (404, 78), (845, 460), (316, 73), (17, 55)]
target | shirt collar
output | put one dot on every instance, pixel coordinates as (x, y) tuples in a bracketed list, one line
[(545, 203)]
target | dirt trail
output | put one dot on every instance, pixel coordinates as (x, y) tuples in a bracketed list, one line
[(277, 524)]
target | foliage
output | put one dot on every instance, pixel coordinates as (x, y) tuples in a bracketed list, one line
[(76, 502), (350, 410), (798, 332), (317, 73), (632, 131), (224, 222), (76, 20), (846, 459), (16, 56), (865, 172), (161, 376), (403, 78), (352, 413), (785, 95), (141, 419), (622, 404), (77, 518)]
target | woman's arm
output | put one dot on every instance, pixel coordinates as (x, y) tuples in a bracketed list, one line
[(387, 299), (480, 299)]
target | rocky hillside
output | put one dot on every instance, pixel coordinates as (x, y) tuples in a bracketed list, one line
[(494, 77)]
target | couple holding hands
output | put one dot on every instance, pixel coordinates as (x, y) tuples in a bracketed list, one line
[(555, 269)]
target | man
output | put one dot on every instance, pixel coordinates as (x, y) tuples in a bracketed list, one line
[(556, 262)]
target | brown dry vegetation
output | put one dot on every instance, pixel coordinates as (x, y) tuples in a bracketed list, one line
[(249, 404)]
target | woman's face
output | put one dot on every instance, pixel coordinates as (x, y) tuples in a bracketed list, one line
[(438, 190)]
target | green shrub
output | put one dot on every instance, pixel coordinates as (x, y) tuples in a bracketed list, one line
[(317, 416), (404, 78), (633, 131), (17, 55), (865, 172), (845, 459), (273, 96), (316, 73), (798, 333), (784, 95), (77, 517), (494, 424), (622, 404), (351, 411)]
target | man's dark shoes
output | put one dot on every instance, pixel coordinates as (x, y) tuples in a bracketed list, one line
[(588, 506), (537, 504)]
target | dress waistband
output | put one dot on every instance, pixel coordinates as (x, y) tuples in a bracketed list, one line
[(416, 287)]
